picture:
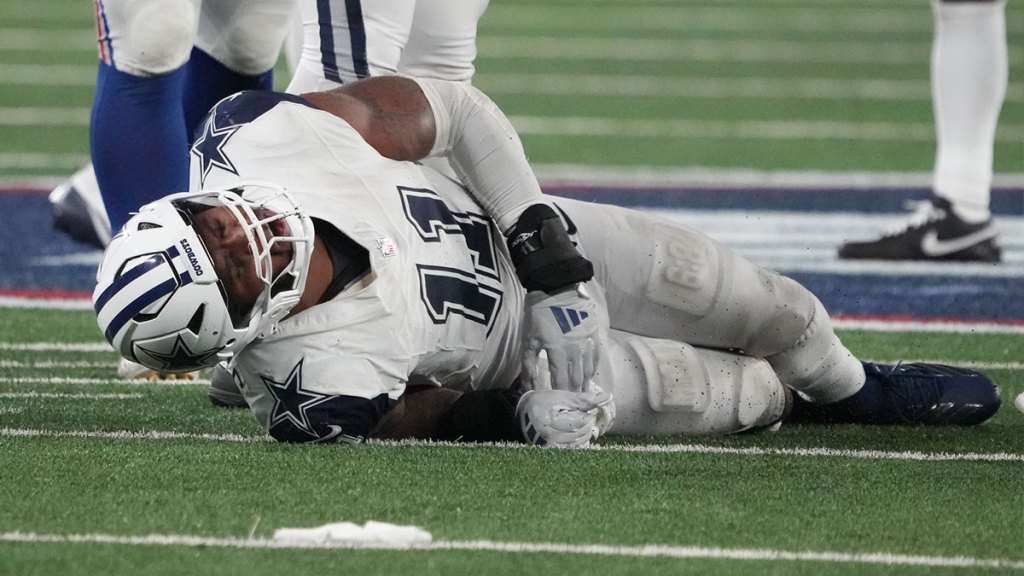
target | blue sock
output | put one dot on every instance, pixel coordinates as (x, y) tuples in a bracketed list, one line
[(208, 81), (137, 139)]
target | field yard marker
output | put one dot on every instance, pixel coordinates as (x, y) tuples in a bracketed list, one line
[(647, 551), (648, 448)]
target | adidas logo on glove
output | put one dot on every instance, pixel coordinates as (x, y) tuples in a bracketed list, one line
[(568, 318)]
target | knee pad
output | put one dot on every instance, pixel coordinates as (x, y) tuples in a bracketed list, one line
[(667, 387), (246, 37), (150, 37), (687, 271)]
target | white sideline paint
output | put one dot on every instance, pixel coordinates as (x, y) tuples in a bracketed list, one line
[(647, 551), (46, 303), (912, 326), (703, 176), (639, 448)]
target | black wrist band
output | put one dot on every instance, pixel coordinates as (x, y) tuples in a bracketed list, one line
[(543, 253)]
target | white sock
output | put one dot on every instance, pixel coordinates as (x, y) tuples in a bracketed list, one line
[(969, 77)]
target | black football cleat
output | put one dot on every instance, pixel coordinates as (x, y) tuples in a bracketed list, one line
[(933, 233), (928, 394)]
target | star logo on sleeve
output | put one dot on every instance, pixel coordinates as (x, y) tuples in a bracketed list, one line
[(209, 148), (181, 357), (292, 402)]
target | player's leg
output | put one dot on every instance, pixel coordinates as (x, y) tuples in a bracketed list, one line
[(137, 130), (663, 280), (969, 67), (344, 41), (442, 42), (237, 46), (667, 387)]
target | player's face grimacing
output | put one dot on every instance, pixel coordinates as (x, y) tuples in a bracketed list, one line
[(232, 251)]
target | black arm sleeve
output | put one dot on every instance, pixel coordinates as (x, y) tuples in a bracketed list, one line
[(482, 416)]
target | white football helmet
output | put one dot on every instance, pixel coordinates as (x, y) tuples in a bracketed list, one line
[(159, 301)]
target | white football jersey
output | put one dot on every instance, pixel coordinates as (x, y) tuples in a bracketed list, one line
[(444, 302)]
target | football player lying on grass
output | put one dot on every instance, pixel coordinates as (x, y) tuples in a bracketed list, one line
[(355, 293)]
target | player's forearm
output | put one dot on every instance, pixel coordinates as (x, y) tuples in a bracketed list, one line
[(443, 414), (417, 415)]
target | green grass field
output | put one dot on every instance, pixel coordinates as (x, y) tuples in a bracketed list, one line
[(89, 465)]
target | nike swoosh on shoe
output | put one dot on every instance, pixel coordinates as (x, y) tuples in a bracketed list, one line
[(933, 247)]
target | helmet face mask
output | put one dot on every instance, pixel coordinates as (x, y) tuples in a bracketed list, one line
[(159, 300)]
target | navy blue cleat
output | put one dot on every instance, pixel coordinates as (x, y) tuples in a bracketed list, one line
[(928, 394)]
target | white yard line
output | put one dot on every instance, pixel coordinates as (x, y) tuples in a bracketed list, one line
[(41, 161), (674, 50), (689, 129), (56, 347), (637, 86), (646, 551), (70, 396), (48, 116), (100, 381), (54, 365), (675, 128), (907, 456), (554, 175), (129, 435), (700, 176)]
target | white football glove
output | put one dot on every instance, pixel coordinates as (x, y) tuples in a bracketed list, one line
[(561, 419), (571, 328)]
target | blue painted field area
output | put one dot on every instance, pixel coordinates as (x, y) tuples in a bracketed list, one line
[(786, 230)]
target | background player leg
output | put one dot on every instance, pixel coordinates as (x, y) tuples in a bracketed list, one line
[(969, 78), (237, 45)]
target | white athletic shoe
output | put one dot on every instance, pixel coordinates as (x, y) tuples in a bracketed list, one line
[(222, 390), (128, 370), (78, 211)]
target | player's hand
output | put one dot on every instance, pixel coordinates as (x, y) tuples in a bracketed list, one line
[(561, 419), (571, 328)]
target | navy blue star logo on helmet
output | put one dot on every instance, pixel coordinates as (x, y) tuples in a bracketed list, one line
[(181, 357), (292, 403), (209, 147)]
